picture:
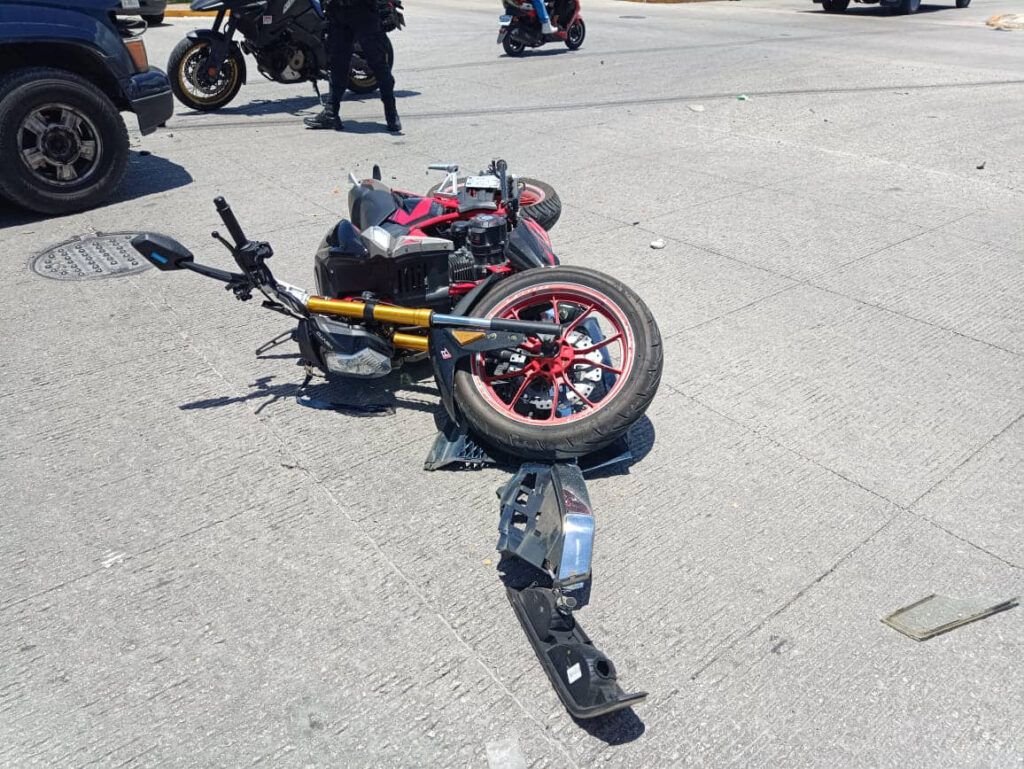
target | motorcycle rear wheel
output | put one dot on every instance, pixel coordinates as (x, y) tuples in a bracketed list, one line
[(512, 47), (186, 69), (538, 200), (578, 397), (361, 79)]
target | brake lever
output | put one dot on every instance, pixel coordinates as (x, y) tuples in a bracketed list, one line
[(242, 291)]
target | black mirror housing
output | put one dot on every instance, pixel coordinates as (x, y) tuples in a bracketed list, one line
[(165, 252)]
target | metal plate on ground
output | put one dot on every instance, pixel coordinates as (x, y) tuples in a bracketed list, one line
[(87, 257)]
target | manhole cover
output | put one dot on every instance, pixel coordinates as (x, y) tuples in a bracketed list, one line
[(632, 17), (96, 256)]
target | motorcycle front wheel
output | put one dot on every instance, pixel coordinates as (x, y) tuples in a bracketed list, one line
[(190, 79), (575, 34), (577, 394), (361, 79)]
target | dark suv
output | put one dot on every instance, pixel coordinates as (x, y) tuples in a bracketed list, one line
[(67, 69)]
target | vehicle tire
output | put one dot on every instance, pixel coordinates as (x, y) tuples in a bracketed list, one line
[(907, 7), (538, 200), (962, 3), (575, 34), (361, 79), (835, 6), (513, 47), (517, 410), (186, 69), (63, 144), (154, 19)]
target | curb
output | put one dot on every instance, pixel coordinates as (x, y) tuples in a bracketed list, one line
[(182, 13)]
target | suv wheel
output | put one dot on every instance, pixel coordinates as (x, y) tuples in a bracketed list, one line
[(835, 6), (63, 145)]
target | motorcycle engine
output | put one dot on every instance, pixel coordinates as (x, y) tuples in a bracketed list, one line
[(285, 63), (479, 243)]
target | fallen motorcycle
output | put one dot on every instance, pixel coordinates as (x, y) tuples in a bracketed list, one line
[(286, 37), (521, 28), (537, 360)]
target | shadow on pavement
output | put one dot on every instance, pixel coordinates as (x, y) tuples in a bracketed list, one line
[(146, 175), (862, 11), (369, 398), (291, 105)]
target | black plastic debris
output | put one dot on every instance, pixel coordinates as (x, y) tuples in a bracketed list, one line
[(583, 677)]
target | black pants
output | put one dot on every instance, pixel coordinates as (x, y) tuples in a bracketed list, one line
[(348, 25)]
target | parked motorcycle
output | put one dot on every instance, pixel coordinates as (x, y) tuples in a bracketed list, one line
[(521, 28), (286, 37), (537, 360)]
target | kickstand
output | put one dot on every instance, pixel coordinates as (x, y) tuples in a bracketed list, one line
[(276, 341)]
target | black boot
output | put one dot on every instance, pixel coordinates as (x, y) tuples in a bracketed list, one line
[(391, 116), (327, 118)]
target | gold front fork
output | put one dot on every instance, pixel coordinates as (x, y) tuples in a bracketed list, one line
[(382, 313)]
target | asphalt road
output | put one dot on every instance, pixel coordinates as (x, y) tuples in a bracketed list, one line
[(196, 570)]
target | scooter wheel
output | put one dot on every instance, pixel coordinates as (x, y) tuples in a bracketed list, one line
[(569, 397), (575, 34), (513, 47)]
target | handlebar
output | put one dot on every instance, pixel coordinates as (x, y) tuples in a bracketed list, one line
[(228, 217)]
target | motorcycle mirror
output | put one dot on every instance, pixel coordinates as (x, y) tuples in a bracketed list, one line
[(165, 252), (376, 172)]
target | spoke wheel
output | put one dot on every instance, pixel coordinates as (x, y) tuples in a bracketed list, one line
[(191, 81), (566, 379), (549, 399)]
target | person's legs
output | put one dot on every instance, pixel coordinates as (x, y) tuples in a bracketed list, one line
[(340, 40), (542, 15), (373, 41)]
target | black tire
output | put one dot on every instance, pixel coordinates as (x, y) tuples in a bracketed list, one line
[(153, 19), (575, 35), (184, 68), (962, 3), (907, 7), (513, 47), (92, 155), (546, 211), (835, 6), (362, 80), (585, 434)]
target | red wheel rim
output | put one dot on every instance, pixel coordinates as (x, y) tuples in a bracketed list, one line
[(567, 372), (530, 195)]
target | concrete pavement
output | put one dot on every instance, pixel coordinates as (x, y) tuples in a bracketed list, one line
[(198, 571)]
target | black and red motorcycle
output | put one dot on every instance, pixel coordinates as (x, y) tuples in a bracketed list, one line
[(285, 37), (535, 359), (521, 28)]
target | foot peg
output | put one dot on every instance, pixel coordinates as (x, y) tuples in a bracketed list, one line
[(584, 678)]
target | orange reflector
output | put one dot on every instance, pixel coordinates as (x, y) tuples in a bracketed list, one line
[(137, 50)]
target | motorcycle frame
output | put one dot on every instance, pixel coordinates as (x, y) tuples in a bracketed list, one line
[(450, 338)]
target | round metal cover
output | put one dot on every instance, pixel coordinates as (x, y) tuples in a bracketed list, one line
[(103, 255)]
